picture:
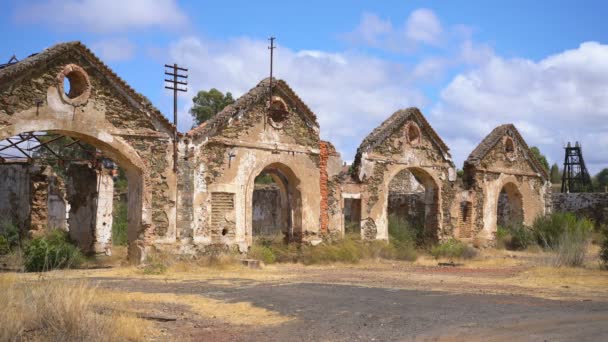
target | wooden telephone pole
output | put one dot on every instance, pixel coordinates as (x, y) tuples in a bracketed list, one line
[(174, 84)]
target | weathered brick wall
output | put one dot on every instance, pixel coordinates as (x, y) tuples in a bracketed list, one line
[(323, 154), (593, 205)]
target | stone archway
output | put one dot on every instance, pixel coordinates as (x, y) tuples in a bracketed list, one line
[(413, 201), (509, 206), (290, 201), (112, 147)]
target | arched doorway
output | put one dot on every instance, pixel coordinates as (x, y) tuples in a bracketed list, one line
[(413, 204), (73, 180), (509, 208), (276, 204)]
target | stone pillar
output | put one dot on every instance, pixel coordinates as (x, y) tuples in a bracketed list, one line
[(90, 195), (103, 222), (57, 204)]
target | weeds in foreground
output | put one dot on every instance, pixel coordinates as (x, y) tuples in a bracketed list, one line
[(453, 249), (604, 248), (51, 251), (515, 237), (350, 249), (55, 310), (160, 262)]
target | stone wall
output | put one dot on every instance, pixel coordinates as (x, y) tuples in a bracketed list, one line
[(15, 194), (267, 211), (593, 205)]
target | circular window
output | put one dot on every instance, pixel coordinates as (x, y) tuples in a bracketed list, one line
[(413, 133), (509, 147), (74, 86), (277, 112)]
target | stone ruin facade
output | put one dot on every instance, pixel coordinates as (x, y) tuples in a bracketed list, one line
[(212, 200)]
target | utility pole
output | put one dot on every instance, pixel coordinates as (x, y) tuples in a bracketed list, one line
[(271, 48), (174, 84)]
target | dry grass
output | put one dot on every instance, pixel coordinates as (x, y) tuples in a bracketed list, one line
[(234, 313), (56, 310)]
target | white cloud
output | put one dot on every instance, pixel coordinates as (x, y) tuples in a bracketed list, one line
[(421, 27), (102, 16), (119, 49), (557, 99), (424, 26), (350, 93)]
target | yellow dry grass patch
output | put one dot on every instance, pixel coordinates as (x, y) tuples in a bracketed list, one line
[(235, 313), (581, 281), (56, 310)]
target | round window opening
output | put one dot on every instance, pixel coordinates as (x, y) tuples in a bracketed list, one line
[(278, 113), (413, 134), (75, 85), (509, 148)]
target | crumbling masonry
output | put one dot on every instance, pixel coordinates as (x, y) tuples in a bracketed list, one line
[(402, 166)]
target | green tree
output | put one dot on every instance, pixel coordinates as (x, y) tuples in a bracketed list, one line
[(540, 157), (208, 103), (601, 180), (556, 177)]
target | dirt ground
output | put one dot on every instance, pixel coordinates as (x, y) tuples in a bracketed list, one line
[(501, 296)]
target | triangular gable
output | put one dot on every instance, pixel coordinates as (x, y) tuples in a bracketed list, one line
[(394, 122), (18, 70), (497, 134), (259, 93)]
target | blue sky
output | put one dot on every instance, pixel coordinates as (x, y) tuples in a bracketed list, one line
[(468, 65)]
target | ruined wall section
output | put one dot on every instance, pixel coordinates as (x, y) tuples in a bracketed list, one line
[(398, 151), (331, 215), (242, 145), (593, 205), (485, 179), (292, 130), (33, 98), (15, 194)]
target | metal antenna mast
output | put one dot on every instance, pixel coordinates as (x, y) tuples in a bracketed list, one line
[(575, 177), (174, 84)]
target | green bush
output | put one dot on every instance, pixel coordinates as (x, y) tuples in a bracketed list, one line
[(514, 237), (4, 246), (263, 253), (350, 249), (52, 251), (572, 244), (453, 249), (604, 248), (9, 237), (548, 229)]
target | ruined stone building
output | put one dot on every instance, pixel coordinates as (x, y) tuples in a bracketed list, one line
[(258, 168)]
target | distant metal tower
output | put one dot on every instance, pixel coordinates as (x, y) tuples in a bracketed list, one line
[(575, 177)]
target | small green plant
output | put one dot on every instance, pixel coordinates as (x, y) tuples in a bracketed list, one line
[(9, 237), (4, 246), (548, 229), (263, 253), (572, 244), (604, 248), (155, 268), (515, 237), (453, 249), (51, 251)]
